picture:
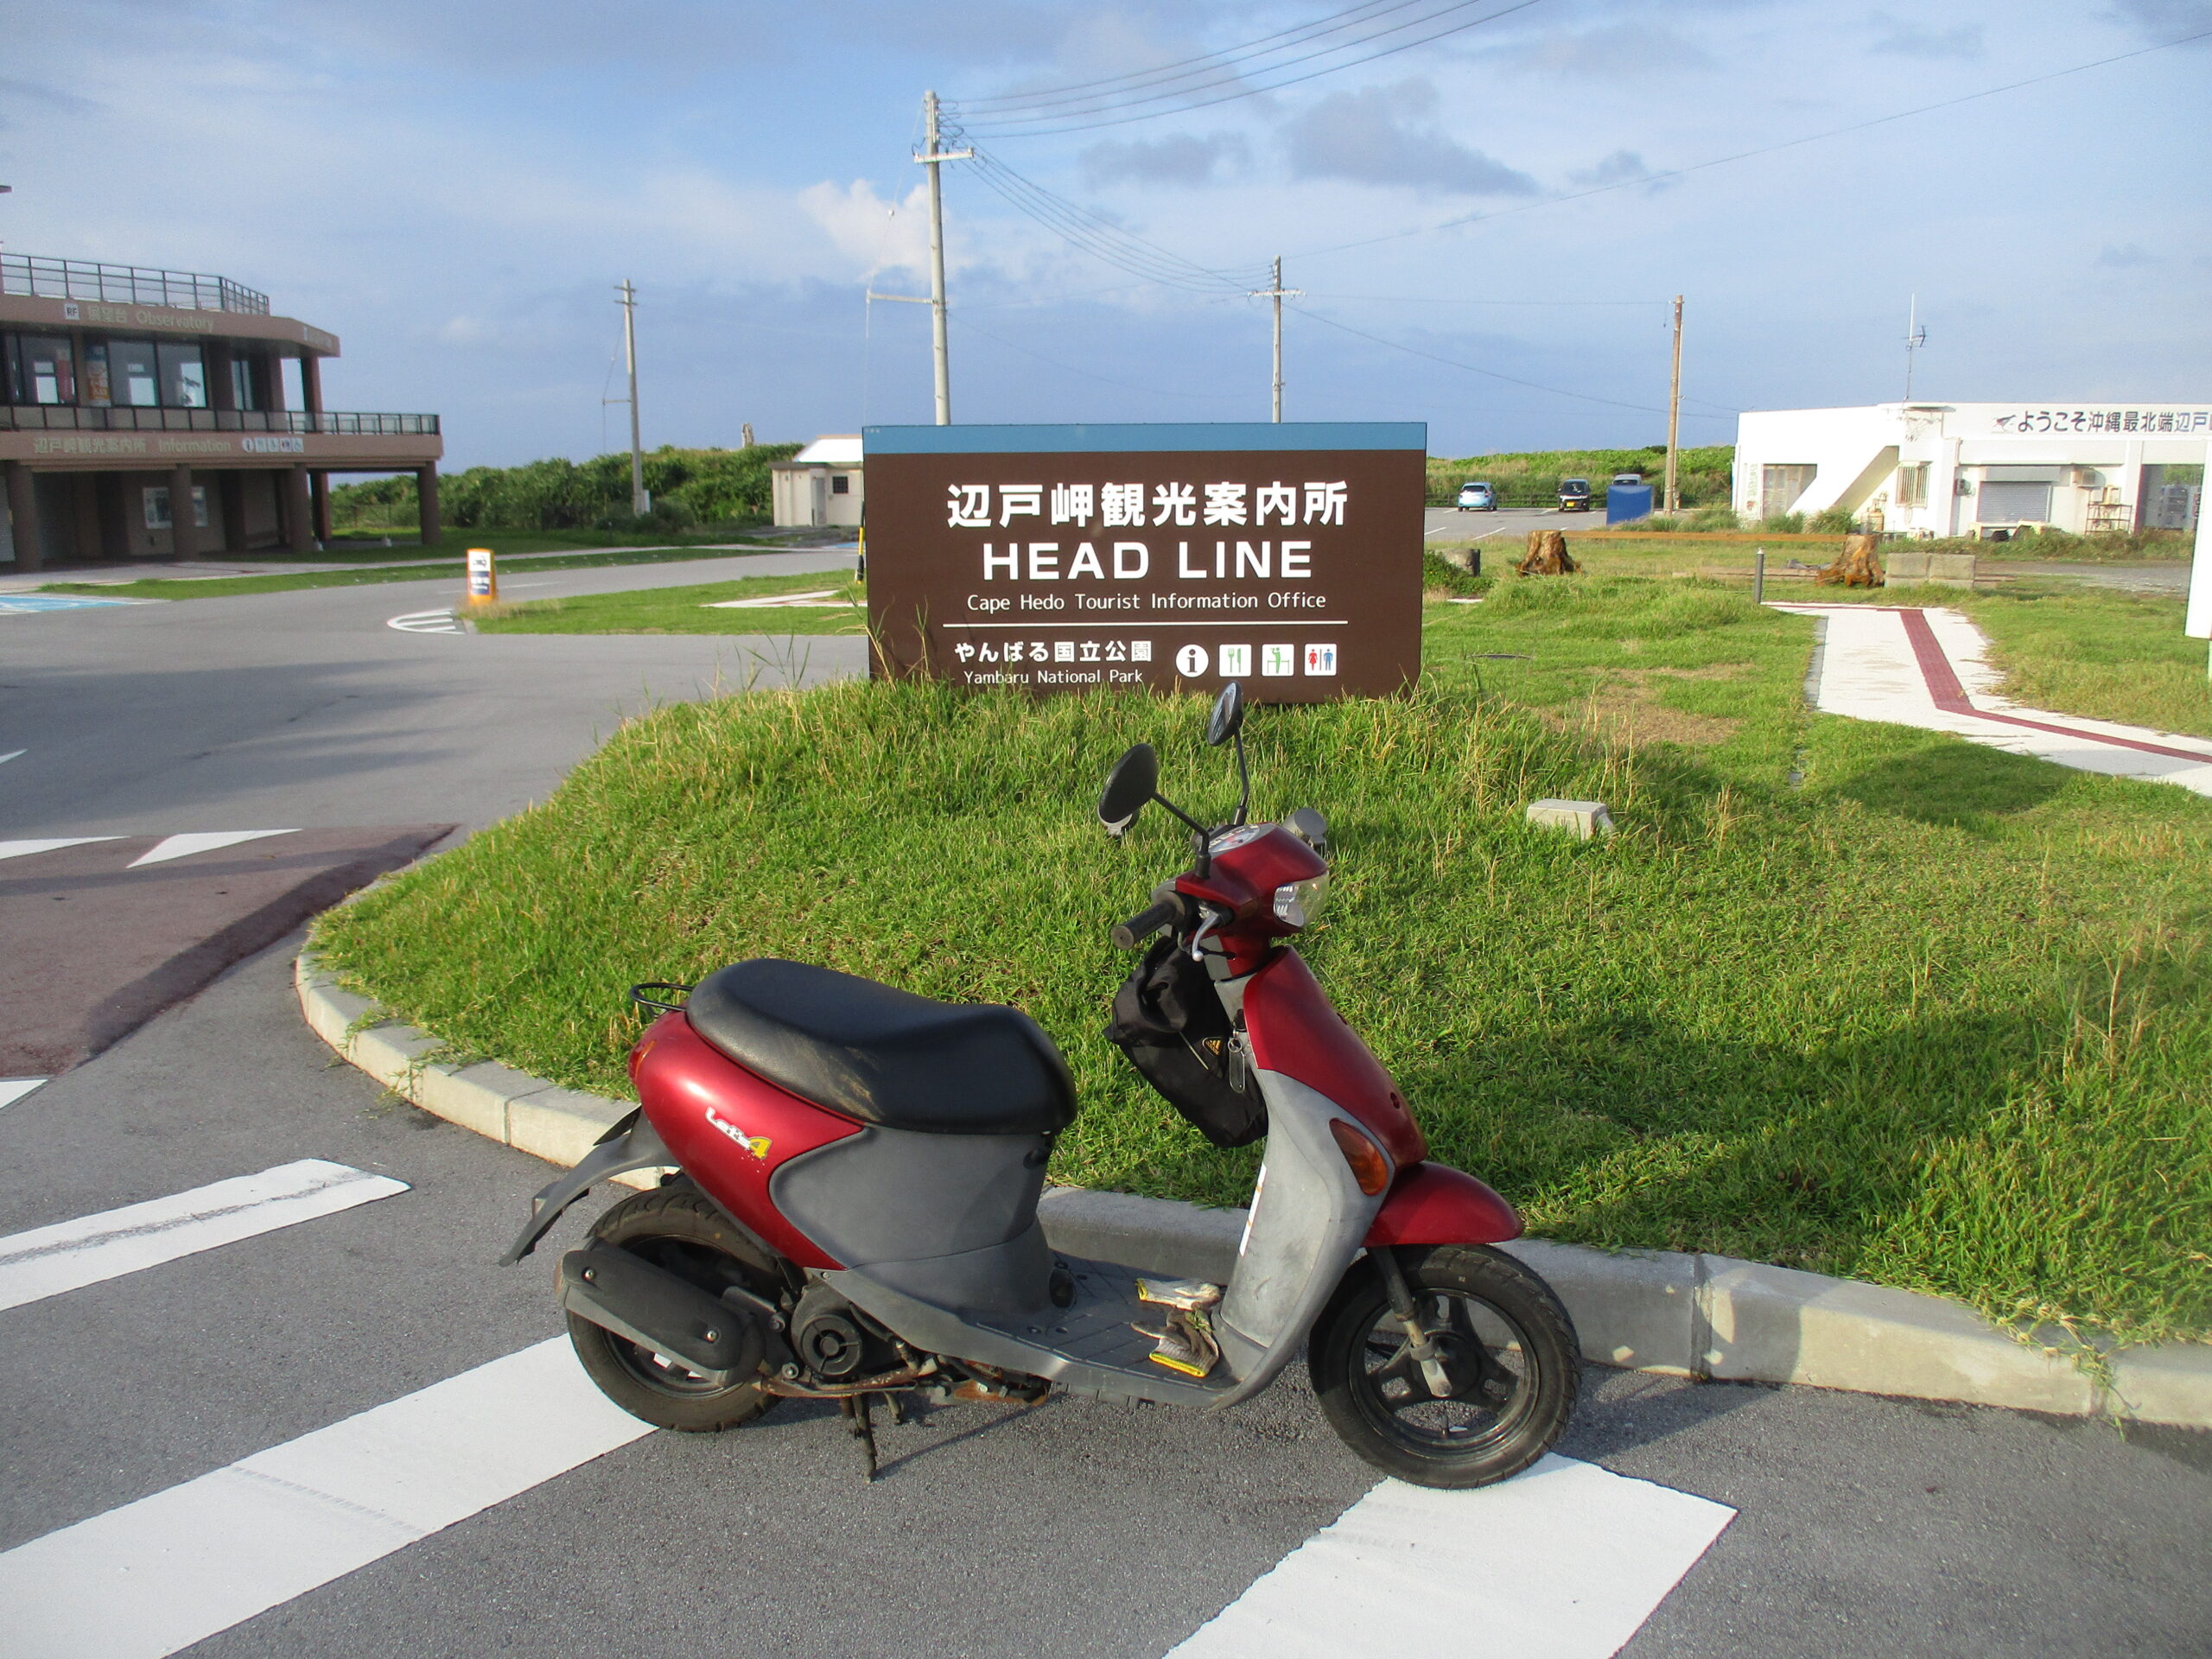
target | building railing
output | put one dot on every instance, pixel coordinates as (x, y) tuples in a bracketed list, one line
[(37, 277), (66, 417)]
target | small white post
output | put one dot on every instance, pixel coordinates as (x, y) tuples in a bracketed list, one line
[(2198, 624)]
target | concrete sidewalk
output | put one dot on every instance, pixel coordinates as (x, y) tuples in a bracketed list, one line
[(1931, 669)]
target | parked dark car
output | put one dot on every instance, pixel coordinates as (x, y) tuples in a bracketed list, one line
[(1574, 495)]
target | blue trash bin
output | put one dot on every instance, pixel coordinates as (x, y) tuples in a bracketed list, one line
[(1626, 503)]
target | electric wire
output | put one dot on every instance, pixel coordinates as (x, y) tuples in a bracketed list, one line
[(1088, 374), (1332, 23), (1748, 155), (1102, 239), (1207, 77), (1494, 374), (1117, 120)]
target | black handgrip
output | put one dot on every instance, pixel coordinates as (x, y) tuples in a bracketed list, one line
[(1146, 922)]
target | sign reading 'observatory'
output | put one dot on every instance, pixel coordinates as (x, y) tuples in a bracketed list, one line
[(1059, 558)]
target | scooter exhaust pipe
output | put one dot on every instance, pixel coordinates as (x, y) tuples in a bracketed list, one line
[(654, 1308)]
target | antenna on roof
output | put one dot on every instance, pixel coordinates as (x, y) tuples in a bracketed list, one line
[(1915, 337)]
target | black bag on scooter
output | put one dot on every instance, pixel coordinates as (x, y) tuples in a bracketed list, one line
[(1170, 1024)]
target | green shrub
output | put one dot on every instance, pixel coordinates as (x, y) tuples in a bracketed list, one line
[(1834, 521), (1783, 524), (1719, 517)]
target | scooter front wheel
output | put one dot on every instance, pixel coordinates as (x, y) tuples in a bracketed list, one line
[(1501, 1381)]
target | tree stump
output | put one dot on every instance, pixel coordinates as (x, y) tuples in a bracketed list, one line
[(1859, 567), (1548, 556)]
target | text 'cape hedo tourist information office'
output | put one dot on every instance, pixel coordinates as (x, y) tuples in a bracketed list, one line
[(1061, 558)]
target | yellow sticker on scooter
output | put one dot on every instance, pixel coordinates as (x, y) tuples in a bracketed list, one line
[(1182, 1366)]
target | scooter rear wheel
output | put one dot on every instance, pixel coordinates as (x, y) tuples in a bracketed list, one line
[(676, 1227), (1510, 1363)]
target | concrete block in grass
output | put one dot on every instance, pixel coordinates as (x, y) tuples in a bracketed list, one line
[(1633, 1309), (1584, 820), (1775, 1324)]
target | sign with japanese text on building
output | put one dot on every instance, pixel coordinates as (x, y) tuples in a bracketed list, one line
[(1059, 558)]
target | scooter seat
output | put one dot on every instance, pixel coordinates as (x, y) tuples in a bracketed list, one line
[(886, 1056)]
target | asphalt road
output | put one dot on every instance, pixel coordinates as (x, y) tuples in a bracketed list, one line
[(1863, 1525)]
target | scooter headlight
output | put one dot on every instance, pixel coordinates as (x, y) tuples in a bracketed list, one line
[(1298, 904)]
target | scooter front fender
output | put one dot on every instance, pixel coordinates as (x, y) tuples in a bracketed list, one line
[(1434, 1203)]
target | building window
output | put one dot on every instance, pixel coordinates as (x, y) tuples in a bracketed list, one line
[(157, 506), (1781, 486), (184, 375), (840, 484), (133, 378), (1912, 485), (241, 384), (40, 369)]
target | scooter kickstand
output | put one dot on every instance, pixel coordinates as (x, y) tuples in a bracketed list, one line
[(863, 1428)]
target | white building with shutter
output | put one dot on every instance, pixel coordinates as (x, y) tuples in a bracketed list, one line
[(821, 485), (1965, 470)]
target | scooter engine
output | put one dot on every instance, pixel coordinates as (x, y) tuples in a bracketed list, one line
[(831, 1341)]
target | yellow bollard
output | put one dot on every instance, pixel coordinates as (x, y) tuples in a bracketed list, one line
[(483, 577)]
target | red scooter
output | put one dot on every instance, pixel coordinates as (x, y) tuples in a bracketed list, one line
[(855, 1211)]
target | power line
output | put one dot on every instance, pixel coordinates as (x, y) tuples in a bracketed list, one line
[(1493, 374), (1102, 239), (1003, 130), (1331, 24), (1153, 392), (1747, 155)]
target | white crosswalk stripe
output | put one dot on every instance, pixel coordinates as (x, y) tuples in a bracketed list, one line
[(14, 1089), (51, 844), (172, 1569), (1564, 1562), (71, 1255), (202, 841)]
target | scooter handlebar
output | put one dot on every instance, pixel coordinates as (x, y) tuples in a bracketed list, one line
[(1146, 922)]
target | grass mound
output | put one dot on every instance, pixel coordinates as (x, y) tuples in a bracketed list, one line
[(1938, 1017)]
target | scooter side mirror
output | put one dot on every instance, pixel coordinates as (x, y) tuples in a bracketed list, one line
[(1132, 783), (1228, 717)]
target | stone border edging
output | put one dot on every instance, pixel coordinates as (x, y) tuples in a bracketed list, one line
[(1677, 1314)]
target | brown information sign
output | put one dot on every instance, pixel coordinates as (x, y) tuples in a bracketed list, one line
[(1060, 558)]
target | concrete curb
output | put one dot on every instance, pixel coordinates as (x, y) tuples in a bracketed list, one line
[(1709, 1317)]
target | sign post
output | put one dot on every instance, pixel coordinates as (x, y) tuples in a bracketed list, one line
[(2198, 623), (483, 577), (1062, 559)]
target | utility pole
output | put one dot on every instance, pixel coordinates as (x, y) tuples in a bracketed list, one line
[(934, 159), (1915, 338), (640, 503), (1274, 290), (1674, 499)]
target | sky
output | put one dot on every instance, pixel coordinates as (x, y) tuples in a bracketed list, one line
[(1485, 230)]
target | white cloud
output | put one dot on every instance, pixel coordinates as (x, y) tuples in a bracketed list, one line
[(874, 234)]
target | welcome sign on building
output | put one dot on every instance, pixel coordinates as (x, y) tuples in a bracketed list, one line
[(1061, 558)]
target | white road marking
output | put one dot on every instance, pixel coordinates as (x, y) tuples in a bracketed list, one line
[(71, 1255), (426, 622), (141, 1581), (11, 755), (14, 1089), (1564, 1562), (826, 596), (202, 841), (24, 848)]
